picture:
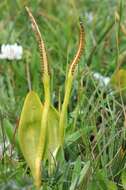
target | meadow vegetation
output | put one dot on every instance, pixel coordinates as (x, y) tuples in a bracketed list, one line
[(95, 140)]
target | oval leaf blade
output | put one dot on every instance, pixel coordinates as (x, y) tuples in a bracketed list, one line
[(29, 130)]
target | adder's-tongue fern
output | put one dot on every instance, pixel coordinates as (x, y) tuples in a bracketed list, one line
[(69, 81), (46, 84), (41, 127)]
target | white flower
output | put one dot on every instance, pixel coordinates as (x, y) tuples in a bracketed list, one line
[(103, 81), (11, 52), (89, 16)]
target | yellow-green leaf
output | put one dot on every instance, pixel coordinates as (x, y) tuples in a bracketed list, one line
[(53, 131), (29, 132), (52, 137)]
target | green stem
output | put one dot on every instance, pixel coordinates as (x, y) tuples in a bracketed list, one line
[(63, 114), (42, 139)]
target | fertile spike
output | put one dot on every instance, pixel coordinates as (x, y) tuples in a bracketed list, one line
[(43, 55), (80, 49)]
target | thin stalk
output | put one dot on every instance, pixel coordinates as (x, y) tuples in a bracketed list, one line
[(119, 19), (3, 134), (63, 114), (28, 76)]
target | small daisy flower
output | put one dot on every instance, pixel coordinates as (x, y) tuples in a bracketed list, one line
[(103, 81), (11, 52)]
